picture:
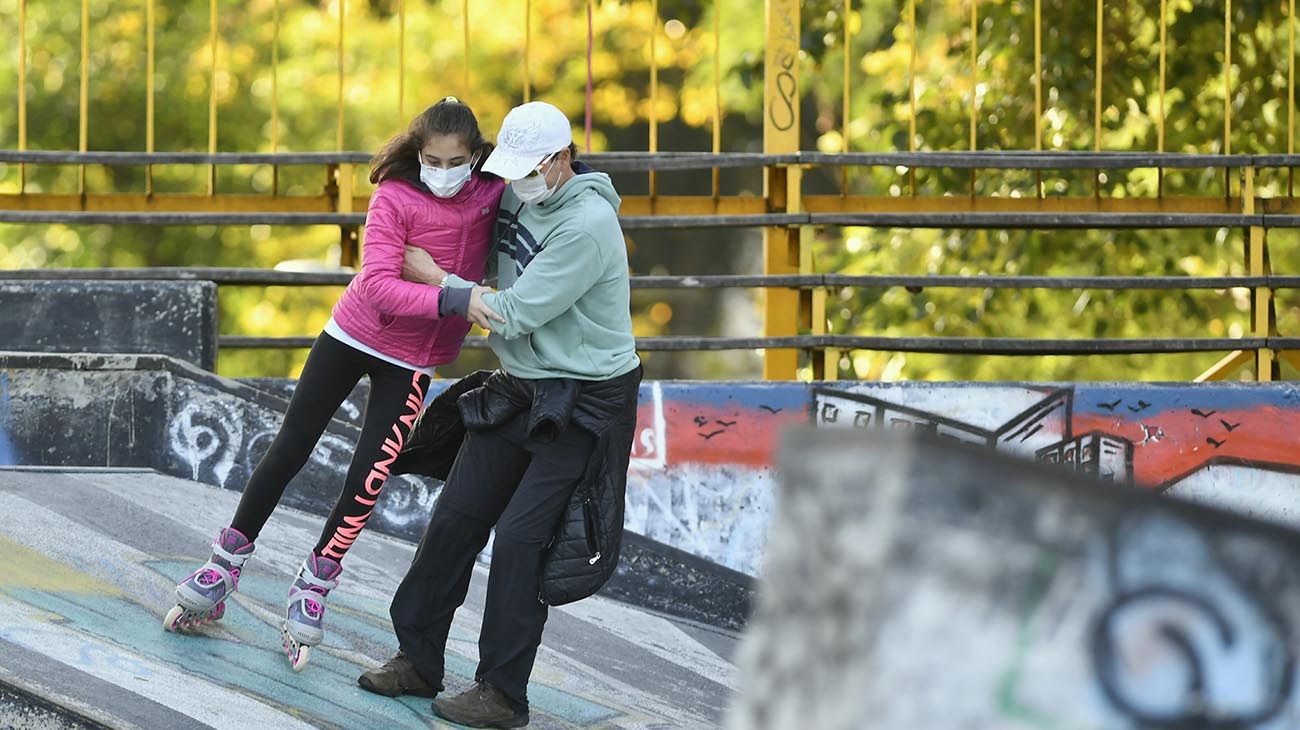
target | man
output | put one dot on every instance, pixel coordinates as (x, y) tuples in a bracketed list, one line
[(561, 326)]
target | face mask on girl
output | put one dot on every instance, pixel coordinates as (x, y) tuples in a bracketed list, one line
[(445, 182), (533, 189)]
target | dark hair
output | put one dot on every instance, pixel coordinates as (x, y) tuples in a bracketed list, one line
[(399, 157)]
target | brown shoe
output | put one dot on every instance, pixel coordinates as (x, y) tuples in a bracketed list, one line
[(481, 706), (397, 677)]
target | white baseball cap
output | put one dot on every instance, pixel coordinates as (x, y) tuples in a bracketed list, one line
[(528, 134)]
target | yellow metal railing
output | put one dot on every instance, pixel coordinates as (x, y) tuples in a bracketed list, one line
[(788, 311)]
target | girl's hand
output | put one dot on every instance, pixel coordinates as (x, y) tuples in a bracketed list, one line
[(418, 266), (480, 313)]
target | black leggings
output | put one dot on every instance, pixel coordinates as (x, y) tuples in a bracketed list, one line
[(331, 371)]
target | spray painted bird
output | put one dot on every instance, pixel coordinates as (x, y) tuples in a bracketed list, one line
[(1151, 433)]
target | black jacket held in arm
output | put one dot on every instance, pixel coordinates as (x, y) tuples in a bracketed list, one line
[(585, 550)]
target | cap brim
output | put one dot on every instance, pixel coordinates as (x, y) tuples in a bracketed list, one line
[(511, 166)]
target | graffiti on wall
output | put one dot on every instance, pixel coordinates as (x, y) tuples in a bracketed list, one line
[(702, 464), (216, 438), (1192, 636), (701, 474), (979, 593)]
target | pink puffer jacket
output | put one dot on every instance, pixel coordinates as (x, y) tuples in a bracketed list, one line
[(400, 318)]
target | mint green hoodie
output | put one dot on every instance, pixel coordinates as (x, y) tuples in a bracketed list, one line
[(563, 284)]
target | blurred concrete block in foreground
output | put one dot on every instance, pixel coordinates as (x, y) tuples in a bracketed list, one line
[(914, 584)]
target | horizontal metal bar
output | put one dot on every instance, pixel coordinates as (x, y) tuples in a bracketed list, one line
[(641, 161), (1043, 221), (949, 345), (178, 218), (759, 220), (990, 281), (613, 161), (670, 161), (1090, 204), (75, 217), (1037, 221), (479, 343), (1281, 220), (271, 277), (1025, 160), (1035, 346), (118, 159), (661, 205), (1278, 160), (228, 276)]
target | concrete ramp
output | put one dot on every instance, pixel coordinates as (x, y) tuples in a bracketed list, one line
[(88, 560), (918, 584)]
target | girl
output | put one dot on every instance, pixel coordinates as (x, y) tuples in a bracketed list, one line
[(430, 194)]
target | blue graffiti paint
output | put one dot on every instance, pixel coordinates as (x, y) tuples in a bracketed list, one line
[(793, 397), (8, 454), (1149, 399)]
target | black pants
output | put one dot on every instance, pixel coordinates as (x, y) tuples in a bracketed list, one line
[(500, 478), (331, 371)]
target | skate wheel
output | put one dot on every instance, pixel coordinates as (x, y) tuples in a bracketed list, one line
[(297, 653), (171, 622), (304, 654)]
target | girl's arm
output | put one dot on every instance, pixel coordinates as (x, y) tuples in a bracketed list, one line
[(380, 280)]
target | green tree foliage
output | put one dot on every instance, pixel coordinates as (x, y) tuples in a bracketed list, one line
[(880, 66), (1003, 84)]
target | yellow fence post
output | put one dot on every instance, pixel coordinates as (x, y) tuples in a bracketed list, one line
[(213, 40), (22, 92), (717, 99), (275, 96), (1038, 91), (1262, 318), (528, 42), (825, 364), (1261, 297), (350, 243), (83, 113), (781, 185), (149, 94), (654, 91)]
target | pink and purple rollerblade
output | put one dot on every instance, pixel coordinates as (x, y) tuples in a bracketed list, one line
[(304, 622), (201, 598)]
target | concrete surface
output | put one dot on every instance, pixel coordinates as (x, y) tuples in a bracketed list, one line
[(88, 560), (919, 584)]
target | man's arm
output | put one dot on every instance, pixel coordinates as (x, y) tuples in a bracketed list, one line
[(380, 278)]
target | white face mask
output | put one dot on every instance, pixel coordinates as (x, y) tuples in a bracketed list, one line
[(445, 182), (533, 189)]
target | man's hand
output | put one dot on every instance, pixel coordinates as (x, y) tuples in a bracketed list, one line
[(418, 266), (480, 313)]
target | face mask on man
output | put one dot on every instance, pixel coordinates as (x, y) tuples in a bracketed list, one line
[(533, 189), (445, 182)]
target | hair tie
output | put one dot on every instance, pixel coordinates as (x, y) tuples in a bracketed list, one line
[(450, 100)]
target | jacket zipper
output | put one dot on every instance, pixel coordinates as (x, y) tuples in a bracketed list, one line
[(589, 518)]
